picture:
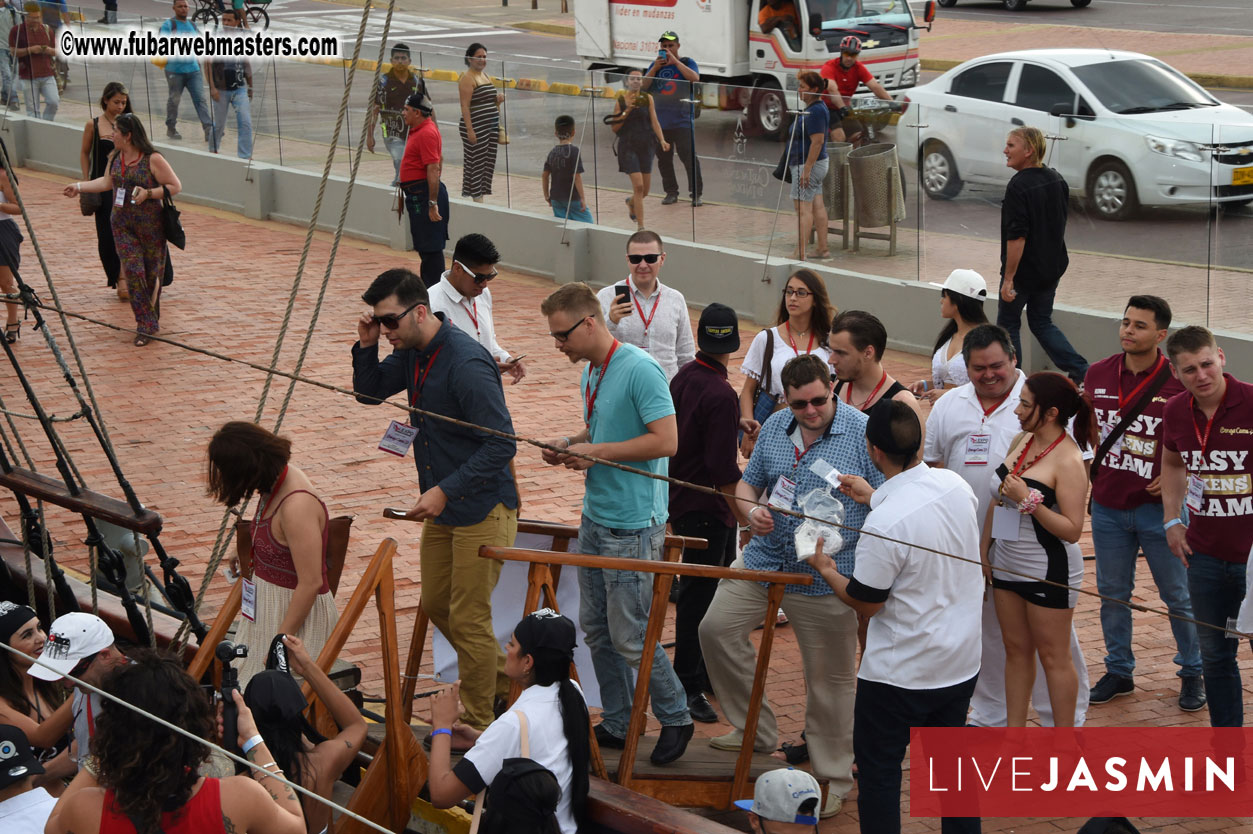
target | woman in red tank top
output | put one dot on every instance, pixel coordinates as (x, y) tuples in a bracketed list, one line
[(288, 541), (146, 777)]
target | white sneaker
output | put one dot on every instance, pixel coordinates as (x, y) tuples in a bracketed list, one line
[(832, 806), (734, 740)]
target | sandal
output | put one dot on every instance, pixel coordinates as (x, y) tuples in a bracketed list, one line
[(13, 332), (630, 201), (142, 339), (796, 754)]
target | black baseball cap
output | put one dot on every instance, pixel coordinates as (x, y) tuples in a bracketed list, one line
[(420, 103), (719, 330), (17, 760)]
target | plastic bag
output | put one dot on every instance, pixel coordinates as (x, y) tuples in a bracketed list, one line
[(820, 503)]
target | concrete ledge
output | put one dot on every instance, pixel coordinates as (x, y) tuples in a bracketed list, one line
[(541, 244), (547, 28)]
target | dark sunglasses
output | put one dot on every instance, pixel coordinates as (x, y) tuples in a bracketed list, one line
[(650, 258), (816, 402), (392, 320), (565, 334), (479, 277)]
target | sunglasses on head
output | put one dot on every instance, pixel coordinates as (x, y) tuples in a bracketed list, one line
[(650, 258), (392, 320), (565, 334), (816, 402), (479, 277)]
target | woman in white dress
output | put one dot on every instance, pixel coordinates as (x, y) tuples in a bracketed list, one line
[(961, 302)]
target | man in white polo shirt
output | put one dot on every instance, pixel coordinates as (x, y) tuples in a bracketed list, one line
[(642, 312), (466, 302), (922, 645), (969, 431)]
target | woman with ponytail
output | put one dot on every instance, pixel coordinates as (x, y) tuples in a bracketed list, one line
[(538, 656), (1032, 529)]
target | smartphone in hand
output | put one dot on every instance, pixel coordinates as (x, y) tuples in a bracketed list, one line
[(622, 293)]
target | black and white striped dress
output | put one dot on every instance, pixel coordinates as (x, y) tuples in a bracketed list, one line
[(480, 158)]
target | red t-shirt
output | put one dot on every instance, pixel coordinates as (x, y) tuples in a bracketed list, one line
[(423, 147), (1223, 528), (201, 815), (846, 80), (1132, 464)]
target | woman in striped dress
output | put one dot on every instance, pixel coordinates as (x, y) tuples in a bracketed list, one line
[(480, 124)]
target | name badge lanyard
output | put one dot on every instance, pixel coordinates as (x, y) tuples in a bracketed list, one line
[(473, 312), (1209, 425), (648, 322), (882, 380), (590, 394), (261, 505), (987, 412), (1021, 467), (704, 364), (419, 376), (1122, 401), (808, 348)]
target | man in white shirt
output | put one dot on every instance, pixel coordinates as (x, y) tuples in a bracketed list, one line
[(922, 645), (24, 808), (464, 299), (969, 431), (642, 312)]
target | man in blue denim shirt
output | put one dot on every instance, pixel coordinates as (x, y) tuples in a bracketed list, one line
[(183, 73), (629, 418), (469, 496), (788, 461)]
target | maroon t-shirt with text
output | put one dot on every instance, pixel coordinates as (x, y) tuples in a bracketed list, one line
[(1131, 465), (1224, 526)]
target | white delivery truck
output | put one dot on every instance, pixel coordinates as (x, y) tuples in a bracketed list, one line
[(753, 70)]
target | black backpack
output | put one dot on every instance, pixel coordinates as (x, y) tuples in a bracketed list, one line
[(523, 797)]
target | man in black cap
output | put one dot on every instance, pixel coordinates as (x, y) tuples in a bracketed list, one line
[(24, 808), (426, 198), (708, 414), (922, 646)]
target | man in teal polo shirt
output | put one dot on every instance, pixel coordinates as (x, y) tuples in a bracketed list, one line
[(183, 73), (628, 418)]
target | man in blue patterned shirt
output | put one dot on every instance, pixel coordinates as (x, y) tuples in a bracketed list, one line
[(806, 447)]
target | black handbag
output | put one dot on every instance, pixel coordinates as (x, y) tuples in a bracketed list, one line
[(170, 224), (782, 171), (89, 204)]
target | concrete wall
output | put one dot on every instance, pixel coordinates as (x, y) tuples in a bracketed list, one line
[(542, 245)]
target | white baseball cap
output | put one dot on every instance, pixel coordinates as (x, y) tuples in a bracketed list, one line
[(71, 638), (965, 282), (785, 795)]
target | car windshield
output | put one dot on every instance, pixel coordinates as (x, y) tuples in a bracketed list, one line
[(1141, 86), (834, 10)]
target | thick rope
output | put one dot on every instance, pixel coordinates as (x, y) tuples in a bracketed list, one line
[(664, 478), (26, 548)]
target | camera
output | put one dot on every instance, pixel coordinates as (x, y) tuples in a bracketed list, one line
[(226, 652), (276, 658)]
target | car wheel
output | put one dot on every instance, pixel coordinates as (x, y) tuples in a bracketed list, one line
[(938, 172), (1015, 5), (1112, 191), (767, 111), (948, 4), (1079, 4)]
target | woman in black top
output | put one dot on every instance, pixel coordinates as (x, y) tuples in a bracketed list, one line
[(92, 160)]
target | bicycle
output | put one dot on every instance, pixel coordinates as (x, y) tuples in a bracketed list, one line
[(208, 13)]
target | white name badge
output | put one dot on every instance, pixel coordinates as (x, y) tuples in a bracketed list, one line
[(978, 446), (248, 602), (1115, 448), (784, 493), (826, 471), (398, 438), (1196, 493), (119, 197), (1006, 523)]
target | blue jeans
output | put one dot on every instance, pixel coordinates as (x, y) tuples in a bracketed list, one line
[(1039, 304), (1117, 536), (613, 611), (571, 210), (1217, 589), (47, 88), (8, 92), (395, 147), (238, 98), (192, 82)]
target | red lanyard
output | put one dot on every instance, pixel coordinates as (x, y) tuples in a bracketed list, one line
[(420, 374), (1161, 360), (719, 371), (126, 167), (1018, 467), (808, 348), (473, 312), (278, 483), (589, 396), (882, 380), (647, 321), (91, 721), (987, 412), (799, 454), (1209, 425)]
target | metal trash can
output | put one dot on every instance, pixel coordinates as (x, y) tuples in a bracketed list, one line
[(833, 185), (870, 167)]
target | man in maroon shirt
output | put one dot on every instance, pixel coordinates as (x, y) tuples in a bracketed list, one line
[(1207, 467), (1129, 391), (708, 413)]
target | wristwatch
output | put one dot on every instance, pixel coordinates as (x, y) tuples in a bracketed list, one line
[(432, 203)]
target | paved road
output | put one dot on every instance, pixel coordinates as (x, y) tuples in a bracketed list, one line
[(1227, 17)]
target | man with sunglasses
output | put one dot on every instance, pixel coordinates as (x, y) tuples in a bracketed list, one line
[(803, 448), (468, 494), (79, 645), (466, 302), (628, 417), (650, 316)]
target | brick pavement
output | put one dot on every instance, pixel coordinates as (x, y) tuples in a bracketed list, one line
[(162, 404)]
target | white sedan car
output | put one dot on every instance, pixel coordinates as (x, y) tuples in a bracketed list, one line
[(1124, 129)]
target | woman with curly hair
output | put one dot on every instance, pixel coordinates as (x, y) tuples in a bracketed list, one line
[(145, 779)]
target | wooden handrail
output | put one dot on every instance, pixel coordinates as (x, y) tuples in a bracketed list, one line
[(582, 560), (560, 531)]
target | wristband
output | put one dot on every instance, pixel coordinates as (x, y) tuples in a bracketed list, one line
[(1174, 522), (1031, 503), (444, 731), (251, 743)]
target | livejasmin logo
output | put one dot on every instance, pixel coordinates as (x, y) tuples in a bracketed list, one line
[(1100, 771)]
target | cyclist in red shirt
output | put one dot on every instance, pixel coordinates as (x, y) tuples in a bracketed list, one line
[(843, 75)]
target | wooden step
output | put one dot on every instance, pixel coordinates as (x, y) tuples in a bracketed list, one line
[(86, 502)]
